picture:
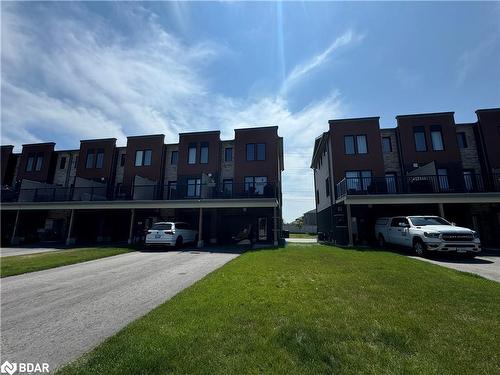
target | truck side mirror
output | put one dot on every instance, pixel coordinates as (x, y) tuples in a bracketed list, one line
[(452, 223)]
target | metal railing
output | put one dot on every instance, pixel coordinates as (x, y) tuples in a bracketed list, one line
[(432, 184), (141, 192)]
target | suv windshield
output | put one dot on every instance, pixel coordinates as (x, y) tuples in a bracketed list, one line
[(162, 226), (429, 220)]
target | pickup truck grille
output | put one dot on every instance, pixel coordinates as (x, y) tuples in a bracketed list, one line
[(457, 237)]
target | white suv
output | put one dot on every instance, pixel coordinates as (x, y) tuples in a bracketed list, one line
[(171, 234)]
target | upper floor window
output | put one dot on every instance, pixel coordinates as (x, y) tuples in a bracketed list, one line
[(419, 136), (361, 144), (62, 163), (39, 162), (194, 187), (255, 185), (95, 158), (355, 144), (358, 180), (227, 186), (122, 160), (34, 162), (204, 153), (99, 159), (386, 145), (349, 145), (461, 140), (437, 138), (174, 157), (256, 151), (228, 154), (192, 153), (143, 158), (327, 186), (89, 162)]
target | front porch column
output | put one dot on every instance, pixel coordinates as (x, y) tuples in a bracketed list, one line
[(349, 225), (69, 240), (441, 210), (275, 227), (200, 229), (14, 240), (131, 229)]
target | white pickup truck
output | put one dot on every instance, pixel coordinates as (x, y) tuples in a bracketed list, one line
[(427, 233)]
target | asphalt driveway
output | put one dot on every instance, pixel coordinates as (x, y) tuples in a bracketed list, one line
[(487, 265), (56, 315)]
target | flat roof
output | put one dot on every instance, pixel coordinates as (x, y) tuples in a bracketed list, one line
[(354, 119), (427, 114), (201, 132), (146, 136), (98, 140), (39, 144)]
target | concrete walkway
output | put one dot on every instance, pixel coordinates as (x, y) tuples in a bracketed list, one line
[(487, 266), (13, 251), (301, 240), (57, 315)]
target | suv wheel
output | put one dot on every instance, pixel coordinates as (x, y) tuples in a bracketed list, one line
[(178, 242), (419, 248)]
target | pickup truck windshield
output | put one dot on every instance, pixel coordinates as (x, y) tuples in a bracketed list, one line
[(422, 221)]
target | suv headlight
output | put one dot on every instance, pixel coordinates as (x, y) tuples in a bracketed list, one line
[(432, 234), (475, 234)]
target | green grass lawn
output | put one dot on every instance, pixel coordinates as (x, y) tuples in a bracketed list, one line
[(302, 235), (308, 309), (18, 264)]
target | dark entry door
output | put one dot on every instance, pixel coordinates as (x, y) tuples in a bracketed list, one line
[(262, 227)]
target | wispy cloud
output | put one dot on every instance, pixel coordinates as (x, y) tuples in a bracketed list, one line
[(471, 58), (65, 79), (302, 70)]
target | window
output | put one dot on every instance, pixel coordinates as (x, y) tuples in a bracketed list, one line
[(468, 180), (143, 158), (437, 139), (227, 186), (99, 159), (204, 153), (419, 135), (174, 157), (138, 158), (358, 180), (361, 144), (89, 162), (122, 160), (228, 154), (261, 151), (400, 222), (39, 162), (192, 153), (461, 140), (390, 180), (30, 163), (349, 145), (255, 185), (251, 151), (327, 186), (62, 163), (194, 187), (443, 179), (386, 145), (172, 190), (147, 157)]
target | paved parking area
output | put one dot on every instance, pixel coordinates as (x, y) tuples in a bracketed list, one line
[(487, 266), (56, 315)]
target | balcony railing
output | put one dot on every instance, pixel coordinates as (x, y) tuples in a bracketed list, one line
[(432, 184), (142, 192)]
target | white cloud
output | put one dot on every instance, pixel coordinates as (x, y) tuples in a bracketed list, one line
[(302, 70), (66, 79)]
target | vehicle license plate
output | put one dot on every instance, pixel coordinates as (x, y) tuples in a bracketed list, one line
[(157, 235), (459, 250)]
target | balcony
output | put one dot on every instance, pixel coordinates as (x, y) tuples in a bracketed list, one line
[(142, 192), (431, 184)]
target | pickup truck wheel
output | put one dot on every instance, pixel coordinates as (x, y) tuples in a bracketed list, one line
[(419, 248), (381, 240)]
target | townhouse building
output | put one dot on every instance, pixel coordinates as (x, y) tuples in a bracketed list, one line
[(427, 165), (102, 192)]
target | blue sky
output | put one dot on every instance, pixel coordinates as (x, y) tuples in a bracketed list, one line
[(72, 71)]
